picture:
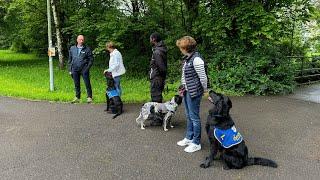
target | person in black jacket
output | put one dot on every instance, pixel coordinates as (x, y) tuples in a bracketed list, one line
[(158, 67), (80, 62)]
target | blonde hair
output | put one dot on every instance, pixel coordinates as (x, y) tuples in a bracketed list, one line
[(111, 45), (187, 43)]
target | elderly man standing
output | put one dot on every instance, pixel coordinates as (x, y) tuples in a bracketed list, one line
[(80, 62)]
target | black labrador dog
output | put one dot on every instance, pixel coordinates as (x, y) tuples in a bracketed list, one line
[(225, 139), (114, 103)]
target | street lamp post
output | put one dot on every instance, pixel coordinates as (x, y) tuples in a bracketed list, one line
[(50, 48)]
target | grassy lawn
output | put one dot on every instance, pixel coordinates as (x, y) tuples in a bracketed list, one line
[(27, 76)]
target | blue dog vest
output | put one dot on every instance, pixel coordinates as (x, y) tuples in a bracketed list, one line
[(228, 137), (112, 93)]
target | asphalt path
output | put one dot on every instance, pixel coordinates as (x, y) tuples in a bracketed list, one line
[(43, 140)]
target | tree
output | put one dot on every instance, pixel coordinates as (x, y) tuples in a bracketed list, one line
[(244, 42), (55, 5), (192, 13)]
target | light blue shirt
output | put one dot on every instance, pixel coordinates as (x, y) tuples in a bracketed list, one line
[(79, 49)]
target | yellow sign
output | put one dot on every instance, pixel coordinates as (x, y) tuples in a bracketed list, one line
[(51, 52)]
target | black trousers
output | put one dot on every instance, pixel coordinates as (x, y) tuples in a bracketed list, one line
[(86, 78), (156, 89)]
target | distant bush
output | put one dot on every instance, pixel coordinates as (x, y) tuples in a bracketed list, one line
[(19, 46), (262, 71)]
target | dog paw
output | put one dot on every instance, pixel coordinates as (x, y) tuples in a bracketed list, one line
[(172, 126), (225, 167), (204, 165), (165, 129)]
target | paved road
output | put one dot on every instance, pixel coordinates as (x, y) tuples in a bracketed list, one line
[(42, 140), (308, 93)]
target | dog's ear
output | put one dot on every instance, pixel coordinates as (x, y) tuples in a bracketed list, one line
[(212, 91), (229, 102), (227, 105), (178, 99), (219, 105)]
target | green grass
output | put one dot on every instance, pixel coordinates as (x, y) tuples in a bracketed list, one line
[(27, 76)]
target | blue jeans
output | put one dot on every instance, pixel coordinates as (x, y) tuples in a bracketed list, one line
[(192, 108), (117, 84)]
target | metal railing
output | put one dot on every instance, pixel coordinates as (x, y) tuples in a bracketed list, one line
[(307, 69)]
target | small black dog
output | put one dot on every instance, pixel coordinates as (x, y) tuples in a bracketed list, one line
[(224, 138), (114, 102)]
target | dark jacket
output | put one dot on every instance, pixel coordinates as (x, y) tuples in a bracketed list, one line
[(82, 61), (158, 63), (191, 77)]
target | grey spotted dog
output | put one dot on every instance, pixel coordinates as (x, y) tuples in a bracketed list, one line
[(166, 110)]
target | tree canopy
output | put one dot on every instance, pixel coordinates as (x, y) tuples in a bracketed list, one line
[(244, 42)]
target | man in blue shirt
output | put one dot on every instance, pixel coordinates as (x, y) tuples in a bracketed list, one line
[(80, 62)]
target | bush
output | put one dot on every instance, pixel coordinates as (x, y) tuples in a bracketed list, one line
[(19, 46), (261, 71)]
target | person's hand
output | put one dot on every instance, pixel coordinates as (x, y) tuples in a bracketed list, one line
[(181, 90), (206, 93)]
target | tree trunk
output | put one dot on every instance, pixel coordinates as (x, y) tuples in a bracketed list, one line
[(135, 9), (57, 23), (192, 11)]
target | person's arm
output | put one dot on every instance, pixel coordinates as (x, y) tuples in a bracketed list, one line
[(90, 58), (161, 66), (70, 61), (115, 62), (198, 65)]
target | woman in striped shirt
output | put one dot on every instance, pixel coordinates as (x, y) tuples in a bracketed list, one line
[(194, 82)]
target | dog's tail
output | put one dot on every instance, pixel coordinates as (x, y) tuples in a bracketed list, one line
[(262, 162)]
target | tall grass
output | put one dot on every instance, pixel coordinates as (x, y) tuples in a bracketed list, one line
[(27, 76)]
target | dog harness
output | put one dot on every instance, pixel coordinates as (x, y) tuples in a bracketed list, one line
[(112, 93), (228, 137)]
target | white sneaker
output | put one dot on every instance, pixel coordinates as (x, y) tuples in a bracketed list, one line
[(192, 148), (75, 100), (184, 142), (89, 100)]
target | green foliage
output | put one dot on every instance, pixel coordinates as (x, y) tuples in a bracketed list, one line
[(256, 73), (244, 42)]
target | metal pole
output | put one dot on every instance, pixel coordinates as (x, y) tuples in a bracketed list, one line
[(50, 46)]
